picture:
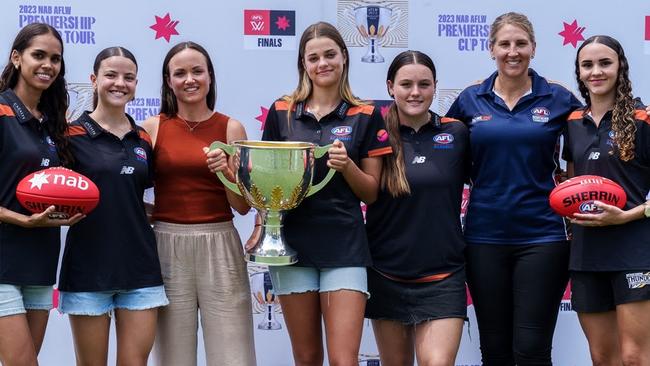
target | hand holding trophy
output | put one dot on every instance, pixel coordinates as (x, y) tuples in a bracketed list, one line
[(273, 177)]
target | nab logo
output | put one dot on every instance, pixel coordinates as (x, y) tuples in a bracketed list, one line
[(589, 207), (481, 118), (342, 131), (443, 138), (594, 155), (127, 170), (419, 160)]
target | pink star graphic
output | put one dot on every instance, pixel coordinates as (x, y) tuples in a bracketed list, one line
[(262, 117), (384, 110), (572, 33), (165, 27), (282, 23)]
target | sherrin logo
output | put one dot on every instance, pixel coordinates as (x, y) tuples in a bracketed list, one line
[(443, 138), (342, 131), (540, 114)]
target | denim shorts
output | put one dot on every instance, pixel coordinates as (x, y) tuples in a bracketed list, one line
[(297, 280), (18, 299), (103, 302)]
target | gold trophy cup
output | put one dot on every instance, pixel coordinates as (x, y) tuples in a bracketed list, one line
[(273, 177)]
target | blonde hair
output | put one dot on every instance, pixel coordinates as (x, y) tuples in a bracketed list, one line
[(304, 88), (516, 19)]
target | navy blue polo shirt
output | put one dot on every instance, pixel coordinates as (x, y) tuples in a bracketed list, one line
[(515, 158), (114, 246), (27, 256), (420, 234), (327, 229), (615, 247)]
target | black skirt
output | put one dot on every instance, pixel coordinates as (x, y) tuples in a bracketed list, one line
[(414, 303)]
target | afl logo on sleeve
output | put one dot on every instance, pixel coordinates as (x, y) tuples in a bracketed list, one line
[(443, 141), (343, 133), (140, 154), (540, 114)]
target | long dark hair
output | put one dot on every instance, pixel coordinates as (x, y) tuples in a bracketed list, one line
[(623, 124), (54, 100), (106, 53), (393, 175), (168, 102)]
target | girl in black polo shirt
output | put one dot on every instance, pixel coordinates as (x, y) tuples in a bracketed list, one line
[(110, 263), (417, 283), (329, 281), (33, 101), (610, 265)]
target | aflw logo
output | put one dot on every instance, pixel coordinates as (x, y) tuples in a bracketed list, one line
[(257, 22)]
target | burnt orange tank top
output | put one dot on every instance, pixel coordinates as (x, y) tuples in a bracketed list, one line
[(186, 191)]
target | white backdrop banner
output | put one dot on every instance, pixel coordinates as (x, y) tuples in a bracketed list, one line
[(253, 45)]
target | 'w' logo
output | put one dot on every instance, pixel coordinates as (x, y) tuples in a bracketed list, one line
[(257, 26)]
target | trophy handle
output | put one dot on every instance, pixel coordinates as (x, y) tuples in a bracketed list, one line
[(230, 150), (319, 151)]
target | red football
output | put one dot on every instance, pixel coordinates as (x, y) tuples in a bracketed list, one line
[(577, 195), (66, 189)]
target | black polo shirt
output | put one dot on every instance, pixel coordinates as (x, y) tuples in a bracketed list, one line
[(327, 229), (114, 246), (420, 234), (615, 247), (27, 256)]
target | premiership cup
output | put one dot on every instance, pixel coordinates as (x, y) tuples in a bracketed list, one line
[(372, 22), (273, 177)]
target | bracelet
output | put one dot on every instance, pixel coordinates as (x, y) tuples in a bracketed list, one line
[(256, 225)]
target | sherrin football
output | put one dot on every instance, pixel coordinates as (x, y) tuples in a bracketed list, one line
[(69, 191), (577, 195)]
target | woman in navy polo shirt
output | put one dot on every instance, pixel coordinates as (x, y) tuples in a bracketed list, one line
[(110, 263), (327, 230), (417, 281), (33, 102), (517, 249), (610, 265)]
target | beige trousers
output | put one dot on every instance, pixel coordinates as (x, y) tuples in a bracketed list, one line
[(204, 272)]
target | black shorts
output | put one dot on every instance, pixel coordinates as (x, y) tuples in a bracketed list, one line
[(594, 292), (413, 303)]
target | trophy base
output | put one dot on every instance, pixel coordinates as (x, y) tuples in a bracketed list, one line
[(266, 325), (376, 58), (281, 260)]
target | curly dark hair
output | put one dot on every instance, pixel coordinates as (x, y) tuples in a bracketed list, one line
[(623, 124), (54, 100)]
